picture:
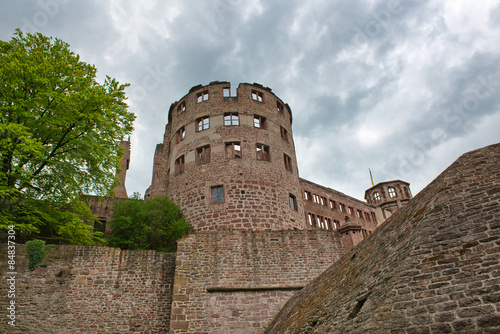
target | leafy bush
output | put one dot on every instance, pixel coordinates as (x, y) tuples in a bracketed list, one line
[(147, 224), (36, 252)]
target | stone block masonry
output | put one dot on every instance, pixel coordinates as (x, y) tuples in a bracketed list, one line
[(236, 281), (90, 289), (432, 267)]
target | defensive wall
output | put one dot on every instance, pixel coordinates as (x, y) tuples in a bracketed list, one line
[(225, 282), (88, 289), (432, 267), (237, 281)]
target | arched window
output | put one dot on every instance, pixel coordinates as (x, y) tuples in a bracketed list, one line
[(376, 196), (392, 192)]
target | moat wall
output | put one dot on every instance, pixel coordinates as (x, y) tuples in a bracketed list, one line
[(90, 289)]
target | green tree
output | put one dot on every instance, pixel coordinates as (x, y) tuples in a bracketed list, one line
[(147, 224), (60, 129)]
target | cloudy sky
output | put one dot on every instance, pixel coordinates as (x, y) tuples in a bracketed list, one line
[(401, 87)]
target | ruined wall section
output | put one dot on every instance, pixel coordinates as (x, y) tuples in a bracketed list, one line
[(236, 281), (330, 209), (202, 151), (432, 267), (90, 289)]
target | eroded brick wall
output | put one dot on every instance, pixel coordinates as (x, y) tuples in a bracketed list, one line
[(90, 289), (433, 267), (236, 281)]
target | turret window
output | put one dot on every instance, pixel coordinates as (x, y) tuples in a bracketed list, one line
[(233, 150), (284, 134), (257, 96), (376, 196), (179, 165), (392, 192), (288, 163), (259, 122), (202, 123), (181, 108), (217, 194), (263, 152), (231, 119), (203, 96), (293, 202), (203, 155), (181, 134)]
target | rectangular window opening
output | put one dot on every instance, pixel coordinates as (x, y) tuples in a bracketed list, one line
[(181, 108), (259, 122), (288, 162), (179, 164), (231, 119), (263, 152), (293, 202), (233, 150), (203, 155), (217, 194), (203, 96), (202, 123), (226, 92), (257, 96)]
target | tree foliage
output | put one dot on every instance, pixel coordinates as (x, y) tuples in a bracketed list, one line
[(60, 130), (60, 134), (147, 224)]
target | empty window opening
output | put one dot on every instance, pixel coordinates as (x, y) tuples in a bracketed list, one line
[(341, 207), (257, 96), (392, 192), (181, 108), (288, 162), (226, 92), (231, 119), (203, 155), (279, 107), (181, 134), (203, 96), (307, 195), (284, 134), (263, 152), (259, 122), (293, 202), (233, 150), (202, 123), (311, 218), (179, 164), (217, 194), (328, 223), (100, 225), (359, 214), (323, 201)]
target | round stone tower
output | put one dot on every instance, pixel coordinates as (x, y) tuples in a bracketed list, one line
[(229, 161), (390, 195)]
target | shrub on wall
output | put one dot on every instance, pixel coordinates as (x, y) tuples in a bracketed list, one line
[(147, 224), (36, 252)]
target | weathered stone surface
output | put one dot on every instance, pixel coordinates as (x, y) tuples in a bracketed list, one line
[(430, 268), (90, 289)]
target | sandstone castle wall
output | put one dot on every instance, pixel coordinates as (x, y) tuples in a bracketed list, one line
[(229, 161), (237, 281), (433, 267), (89, 289)]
